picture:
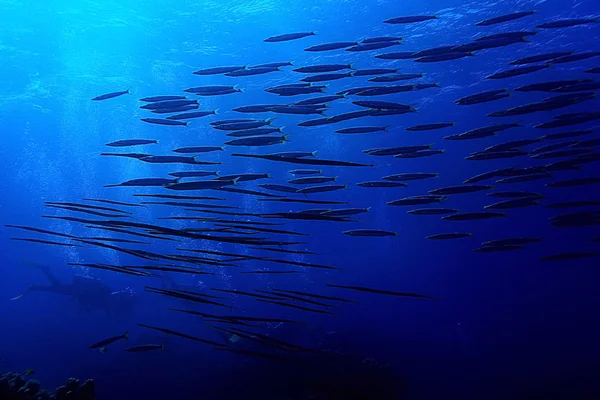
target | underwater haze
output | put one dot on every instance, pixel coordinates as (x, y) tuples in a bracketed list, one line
[(367, 199)]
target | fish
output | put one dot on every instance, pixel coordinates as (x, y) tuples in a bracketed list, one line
[(551, 147), (380, 291), (374, 71), (410, 19), (326, 77), (586, 143), (193, 174), (575, 255), (382, 105), (110, 95), (505, 18), (155, 99), (429, 127), (258, 141), (295, 154), (175, 159), (574, 182), (550, 85), (489, 44), (524, 178), (288, 36), (433, 211), (459, 189), (131, 142), (518, 71), (253, 132), (330, 46), (259, 108), (518, 241), (212, 90), (127, 155), (321, 189), (371, 46), (381, 39), (566, 23), (238, 126), (110, 340), (319, 100), (507, 35), (369, 232), (417, 200), (245, 177), (561, 153), (297, 110), (200, 185), (410, 176), (273, 64), (279, 188), (305, 171), (392, 151), (496, 155), (313, 180), (516, 194), (381, 184), (362, 129), (395, 77), (49, 242), (344, 212), (540, 57), (420, 153), (198, 149), (317, 69), (159, 121), (483, 97), (473, 216), (174, 110), (145, 347), (448, 236), (38, 230), (218, 70), (190, 115), (403, 55), (574, 203), (454, 55), (305, 161), (513, 203), (170, 104), (252, 71), (566, 135), (497, 249)]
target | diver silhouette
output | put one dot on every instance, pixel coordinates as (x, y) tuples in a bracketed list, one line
[(89, 293)]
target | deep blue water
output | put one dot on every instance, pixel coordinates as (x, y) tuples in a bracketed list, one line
[(506, 325)]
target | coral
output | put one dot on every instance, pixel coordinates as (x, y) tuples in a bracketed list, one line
[(14, 387)]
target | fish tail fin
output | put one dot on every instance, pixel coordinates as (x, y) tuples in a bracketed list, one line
[(335, 177), (313, 153), (280, 129), (126, 335), (236, 180), (216, 111), (19, 296), (128, 90), (186, 123), (284, 138), (269, 120), (313, 33)]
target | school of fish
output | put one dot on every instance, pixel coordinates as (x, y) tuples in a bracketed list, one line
[(558, 151)]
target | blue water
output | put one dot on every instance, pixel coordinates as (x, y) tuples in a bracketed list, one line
[(506, 325)]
